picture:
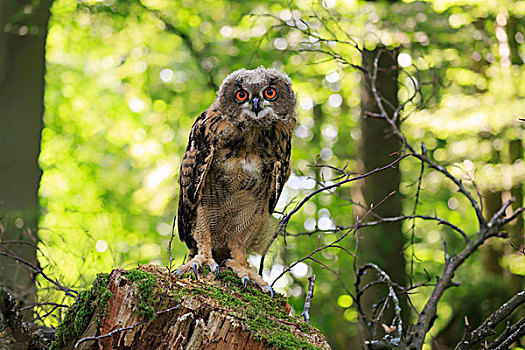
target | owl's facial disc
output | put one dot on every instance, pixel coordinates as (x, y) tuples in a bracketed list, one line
[(259, 97)]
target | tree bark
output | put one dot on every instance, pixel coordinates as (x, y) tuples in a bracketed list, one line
[(516, 228), (184, 314), (23, 28), (381, 244), (493, 249), (15, 333)]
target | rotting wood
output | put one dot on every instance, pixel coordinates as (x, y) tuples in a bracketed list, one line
[(190, 314)]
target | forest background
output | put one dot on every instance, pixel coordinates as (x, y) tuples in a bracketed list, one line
[(125, 80)]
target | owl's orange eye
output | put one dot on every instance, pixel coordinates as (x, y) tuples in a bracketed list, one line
[(270, 93), (241, 96)]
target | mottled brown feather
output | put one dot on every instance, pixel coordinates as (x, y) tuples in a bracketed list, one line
[(194, 166)]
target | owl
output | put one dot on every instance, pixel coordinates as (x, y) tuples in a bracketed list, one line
[(233, 172)]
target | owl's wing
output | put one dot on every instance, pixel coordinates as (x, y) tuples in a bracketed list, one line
[(193, 170), (281, 169)]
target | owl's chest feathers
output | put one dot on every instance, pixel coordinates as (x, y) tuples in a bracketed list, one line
[(245, 152), (247, 172), (247, 165)]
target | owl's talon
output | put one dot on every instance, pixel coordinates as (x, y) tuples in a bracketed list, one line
[(267, 289), (245, 282), (195, 266), (215, 267)]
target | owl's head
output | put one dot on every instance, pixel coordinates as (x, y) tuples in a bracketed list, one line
[(260, 95)]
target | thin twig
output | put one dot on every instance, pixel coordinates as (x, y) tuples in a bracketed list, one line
[(170, 265), (37, 270), (507, 334), (397, 323), (286, 219), (334, 244), (470, 338), (309, 295)]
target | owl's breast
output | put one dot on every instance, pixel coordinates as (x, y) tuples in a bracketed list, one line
[(242, 161), (250, 165)]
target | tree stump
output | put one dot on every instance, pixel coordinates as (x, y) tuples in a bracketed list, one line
[(148, 309)]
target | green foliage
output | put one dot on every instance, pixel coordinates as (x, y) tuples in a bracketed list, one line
[(147, 286), (81, 312)]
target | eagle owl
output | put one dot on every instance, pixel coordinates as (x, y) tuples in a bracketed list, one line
[(233, 171)]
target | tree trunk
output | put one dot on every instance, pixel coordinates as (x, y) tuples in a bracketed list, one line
[(23, 28), (381, 244), (493, 249), (516, 228), (146, 309)]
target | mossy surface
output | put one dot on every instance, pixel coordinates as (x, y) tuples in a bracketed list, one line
[(265, 316), (147, 286), (80, 313)]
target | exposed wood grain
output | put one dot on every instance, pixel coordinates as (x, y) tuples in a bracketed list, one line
[(188, 319)]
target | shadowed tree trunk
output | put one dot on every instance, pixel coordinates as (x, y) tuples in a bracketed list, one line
[(492, 202), (381, 244), (23, 28), (493, 249), (516, 228)]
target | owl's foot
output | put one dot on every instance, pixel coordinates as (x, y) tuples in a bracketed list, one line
[(246, 274), (195, 263)]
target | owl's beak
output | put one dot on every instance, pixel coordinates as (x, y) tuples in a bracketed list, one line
[(256, 108)]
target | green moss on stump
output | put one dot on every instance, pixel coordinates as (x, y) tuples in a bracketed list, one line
[(80, 313), (265, 316), (147, 285)]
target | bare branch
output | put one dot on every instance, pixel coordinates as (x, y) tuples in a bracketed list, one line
[(397, 324), (286, 219), (429, 311), (512, 338), (309, 295), (501, 213), (43, 304), (334, 244), (470, 338), (510, 335), (423, 217), (170, 265), (37, 270)]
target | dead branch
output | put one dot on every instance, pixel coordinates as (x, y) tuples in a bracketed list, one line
[(39, 271), (470, 338), (348, 179), (417, 335), (394, 337), (309, 296), (510, 335), (334, 244)]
